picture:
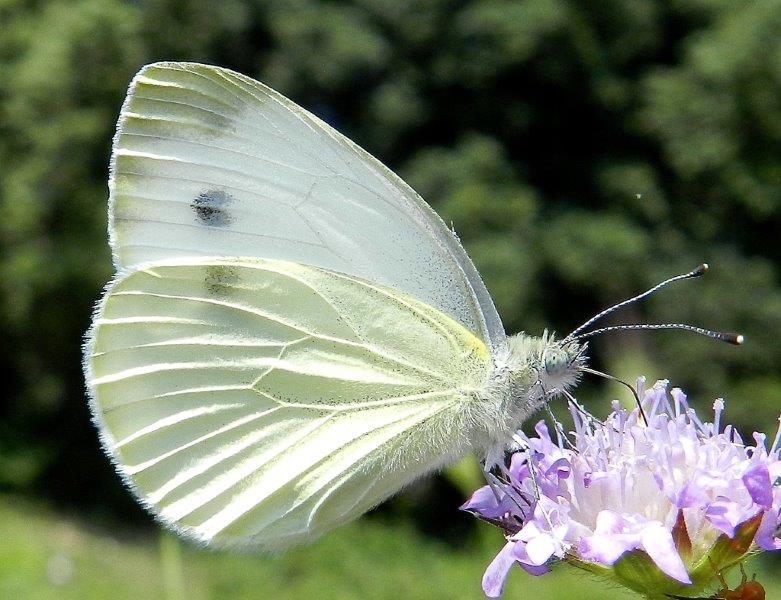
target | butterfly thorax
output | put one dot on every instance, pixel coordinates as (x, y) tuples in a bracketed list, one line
[(532, 372)]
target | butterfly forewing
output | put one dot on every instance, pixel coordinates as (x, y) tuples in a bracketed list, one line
[(257, 402), (209, 162)]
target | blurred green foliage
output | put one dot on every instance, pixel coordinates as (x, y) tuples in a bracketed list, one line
[(60, 558), (582, 151)]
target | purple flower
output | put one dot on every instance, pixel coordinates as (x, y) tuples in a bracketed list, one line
[(668, 491)]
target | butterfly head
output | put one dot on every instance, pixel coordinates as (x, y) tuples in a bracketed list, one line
[(556, 361), (560, 363), (536, 370), (545, 366)]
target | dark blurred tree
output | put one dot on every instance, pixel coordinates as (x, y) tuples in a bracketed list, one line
[(582, 152)]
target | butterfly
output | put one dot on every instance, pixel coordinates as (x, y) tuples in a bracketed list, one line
[(293, 335)]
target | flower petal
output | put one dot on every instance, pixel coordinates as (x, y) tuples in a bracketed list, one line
[(725, 515), (496, 573), (523, 560), (766, 537), (607, 549), (540, 549), (602, 549), (484, 502), (757, 482), (657, 541), (691, 495)]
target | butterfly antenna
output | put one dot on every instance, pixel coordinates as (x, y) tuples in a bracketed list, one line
[(736, 339), (698, 272)]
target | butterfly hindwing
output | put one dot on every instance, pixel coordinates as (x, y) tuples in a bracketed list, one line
[(258, 402)]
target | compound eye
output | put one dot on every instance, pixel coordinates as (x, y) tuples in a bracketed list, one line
[(555, 361)]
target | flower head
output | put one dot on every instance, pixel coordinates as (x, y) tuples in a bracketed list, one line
[(661, 505)]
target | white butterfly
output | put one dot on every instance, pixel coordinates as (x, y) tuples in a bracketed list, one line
[(293, 335)]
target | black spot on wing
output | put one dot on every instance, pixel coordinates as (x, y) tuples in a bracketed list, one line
[(220, 279), (211, 208)]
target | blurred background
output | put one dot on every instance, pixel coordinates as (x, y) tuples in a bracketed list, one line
[(583, 151)]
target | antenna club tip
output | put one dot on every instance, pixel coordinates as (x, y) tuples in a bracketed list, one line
[(700, 270), (736, 339)]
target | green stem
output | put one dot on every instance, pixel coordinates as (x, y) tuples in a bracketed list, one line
[(172, 566)]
